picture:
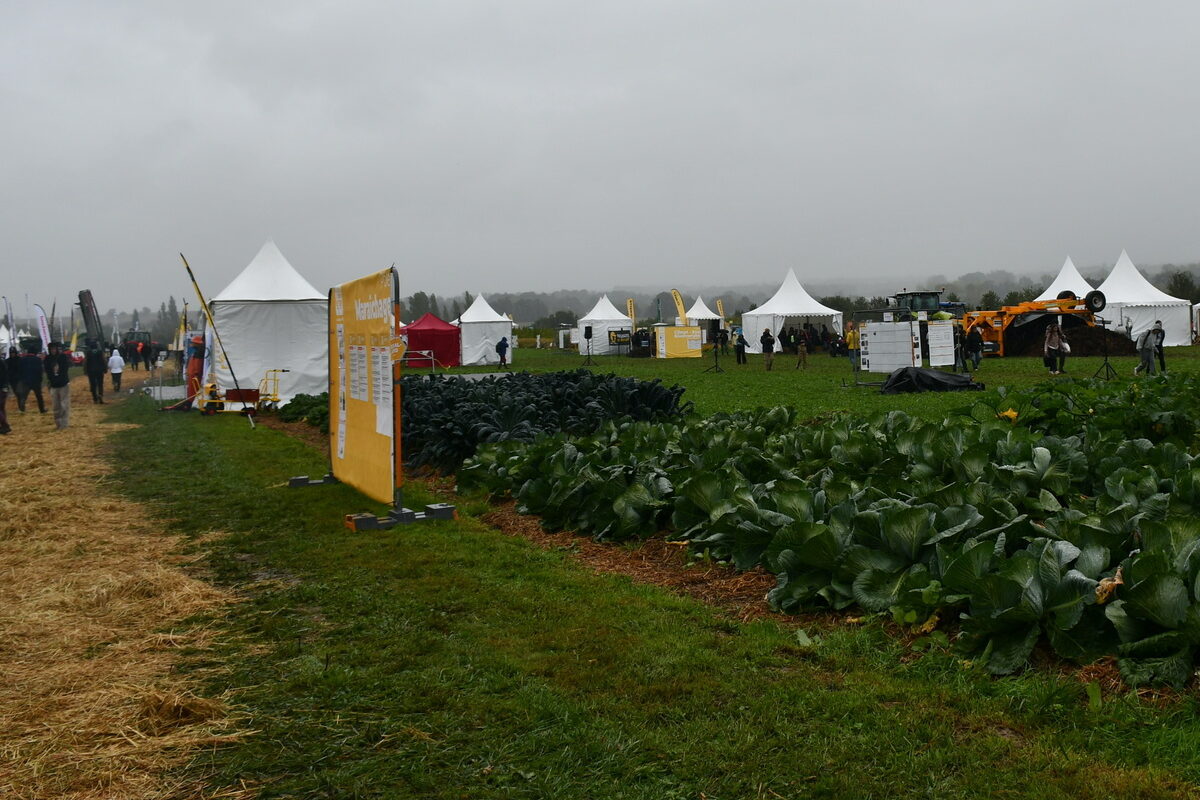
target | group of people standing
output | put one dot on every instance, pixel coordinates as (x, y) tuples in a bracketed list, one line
[(27, 372)]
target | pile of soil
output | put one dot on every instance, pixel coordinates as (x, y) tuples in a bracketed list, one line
[(1084, 340)]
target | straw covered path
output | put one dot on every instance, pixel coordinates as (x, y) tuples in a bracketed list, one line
[(95, 600)]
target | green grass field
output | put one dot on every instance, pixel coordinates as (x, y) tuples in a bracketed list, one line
[(826, 386), (447, 660)]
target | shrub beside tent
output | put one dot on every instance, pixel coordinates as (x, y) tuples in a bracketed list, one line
[(269, 317)]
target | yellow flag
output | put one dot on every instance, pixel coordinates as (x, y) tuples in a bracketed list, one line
[(629, 309), (721, 311), (679, 310)]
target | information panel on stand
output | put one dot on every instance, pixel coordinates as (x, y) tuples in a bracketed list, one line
[(939, 336), (364, 367), (887, 346)]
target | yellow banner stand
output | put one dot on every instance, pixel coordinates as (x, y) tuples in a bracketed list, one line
[(365, 353), (677, 341)]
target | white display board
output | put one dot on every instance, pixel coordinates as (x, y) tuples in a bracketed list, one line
[(939, 335), (887, 346)]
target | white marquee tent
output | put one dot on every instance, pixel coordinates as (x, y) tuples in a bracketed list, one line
[(270, 317), (1130, 297), (698, 314), (482, 327), (791, 306), (603, 317), (1068, 279)]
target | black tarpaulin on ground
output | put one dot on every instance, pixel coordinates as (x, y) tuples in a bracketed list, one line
[(922, 379)]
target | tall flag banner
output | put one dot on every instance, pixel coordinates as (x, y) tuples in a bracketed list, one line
[(12, 331), (43, 327), (364, 371), (679, 309), (631, 311), (721, 312)]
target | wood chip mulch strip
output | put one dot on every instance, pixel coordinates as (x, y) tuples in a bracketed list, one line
[(653, 561)]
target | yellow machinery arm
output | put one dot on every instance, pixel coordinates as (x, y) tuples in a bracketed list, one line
[(996, 326)]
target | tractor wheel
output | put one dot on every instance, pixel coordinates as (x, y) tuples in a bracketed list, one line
[(1067, 294), (1095, 302)]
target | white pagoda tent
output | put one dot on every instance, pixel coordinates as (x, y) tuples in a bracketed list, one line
[(482, 327), (791, 306), (699, 313), (603, 317), (269, 317), (1068, 280), (1133, 302)]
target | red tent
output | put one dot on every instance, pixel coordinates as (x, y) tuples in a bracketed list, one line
[(431, 334)]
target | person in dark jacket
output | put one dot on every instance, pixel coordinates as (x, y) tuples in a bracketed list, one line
[(1159, 337), (739, 347), (502, 351), (14, 368), (4, 396), (29, 379), (58, 367), (974, 346), (768, 347), (95, 365)]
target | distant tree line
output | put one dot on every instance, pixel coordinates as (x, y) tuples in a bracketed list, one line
[(550, 310)]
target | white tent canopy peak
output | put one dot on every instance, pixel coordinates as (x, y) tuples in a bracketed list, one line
[(605, 310), (481, 311), (1068, 279), (269, 276), (700, 311)]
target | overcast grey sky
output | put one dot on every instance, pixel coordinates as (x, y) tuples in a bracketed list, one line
[(505, 146)]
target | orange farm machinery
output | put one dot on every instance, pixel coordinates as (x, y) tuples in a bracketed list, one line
[(1009, 330)]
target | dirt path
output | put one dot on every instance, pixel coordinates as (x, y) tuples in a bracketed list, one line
[(93, 598)]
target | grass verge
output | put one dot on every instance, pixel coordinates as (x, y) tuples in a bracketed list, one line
[(447, 660)]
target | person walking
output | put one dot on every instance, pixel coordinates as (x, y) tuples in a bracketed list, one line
[(502, 351), (1145, 348), (739, 347), (116, 365), (1055, 349), (4, 397), (723, 341), (974, 346), (95, 365), (29, 379), (58, 367), (1160, 336), (768, 347)]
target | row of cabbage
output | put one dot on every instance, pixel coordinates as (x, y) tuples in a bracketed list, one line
[(1063, 515), (447, 418)]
